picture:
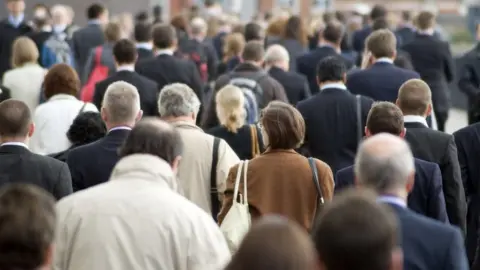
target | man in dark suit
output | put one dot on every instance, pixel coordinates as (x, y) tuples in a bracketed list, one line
[(427, 197), (92, 164), (295, 85), (125, 55), (334, 118), (414, 99), (385, 163), (433, 60), (359, 36), (406, 30), (89, 37), (18, 164), (381, 79), (10, 29), (165, 68), (330, 42), (143, 38)]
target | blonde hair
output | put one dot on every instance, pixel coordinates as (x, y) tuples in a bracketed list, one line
[(24, 51), (230, 107), (234, 44)]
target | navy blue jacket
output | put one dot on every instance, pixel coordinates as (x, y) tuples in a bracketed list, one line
[(380, 82), (426, 197)]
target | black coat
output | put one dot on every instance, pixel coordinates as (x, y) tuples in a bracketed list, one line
[(8, 34), (144, 54), (93, 163), (469, 83), (84, 40), (147, 90), (241, 142), (19, 165), (440, 148), (39, 38), (295, 85)]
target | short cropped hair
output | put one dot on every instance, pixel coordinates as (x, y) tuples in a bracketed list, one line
[(87, 127), (253, 51), (414, 97), (164, 36), (94, 11), (24, 51), (143, 32), (425, 20), (284, 125), (155, 137), (125, 52), (177, 100), (61, 79), (27, 227), (385, 117), (333, 32), (380, 23), (253, 31), (382, 43), (15, 118), (198, 26), (356, 232), (378, 11), (332, 69), (121, 102), (113, 32), (406, 15), (276, 53)]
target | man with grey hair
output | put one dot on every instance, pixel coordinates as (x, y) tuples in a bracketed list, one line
[(206, 160), (92, 164), (57, 47), (277, 62), (385, 164)]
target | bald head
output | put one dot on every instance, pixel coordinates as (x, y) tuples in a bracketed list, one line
[(15, 120), (198, 26), (121, 104), (415, 98), (385, 163), (278, 56)]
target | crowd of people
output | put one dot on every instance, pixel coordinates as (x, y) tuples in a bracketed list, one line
[(205, 143)]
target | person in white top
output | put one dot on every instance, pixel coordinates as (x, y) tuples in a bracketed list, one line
[(137, 220), (26, 78), (54, 117)]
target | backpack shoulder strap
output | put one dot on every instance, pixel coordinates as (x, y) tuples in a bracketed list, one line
[(213, 179), (98, 54)]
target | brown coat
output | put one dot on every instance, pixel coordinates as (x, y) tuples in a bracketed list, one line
[(281, 182)]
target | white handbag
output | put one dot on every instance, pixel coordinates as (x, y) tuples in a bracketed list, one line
[(237, 221)]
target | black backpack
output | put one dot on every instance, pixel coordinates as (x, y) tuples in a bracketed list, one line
[(196, 52)]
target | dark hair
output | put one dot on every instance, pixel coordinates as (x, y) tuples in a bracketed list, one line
[(341, 16), (27, 227), (253, 51), (282, 243), (333, 32), (94, 11), (425, 20), (295, 29), (382, 43), (179, 22), (331, 68), (143, 32), (284, 125), (406, 15), (125, 52), (356, 232), (385, 117), (155, 137), (87, 127), (328, 17), (380, 23), (253, 31), (164, 36), (15, 118), (378, 11), (61, 79), (141, 17)]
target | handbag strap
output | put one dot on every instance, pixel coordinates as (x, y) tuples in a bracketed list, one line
[(254, 136), (359, 117), (237, 181), (245, 169), (313, 166), (82, 108), (213, 179)]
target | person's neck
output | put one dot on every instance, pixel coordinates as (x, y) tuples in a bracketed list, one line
[(277, 65), (322, 84), (325, 43), (429, 31), (173, 119), (125, 65), (14, 140), (16, 15), (401, 194), (199, 38), (111, 126), (257, 64)]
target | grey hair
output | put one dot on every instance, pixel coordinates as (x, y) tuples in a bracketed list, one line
[(121, 102), (198, 26), (276, 53), (60, 13), (177, 100), (384, 162)]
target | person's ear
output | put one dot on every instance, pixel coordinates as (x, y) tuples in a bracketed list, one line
[(104, 115), (429, 110), (410, 182), (139, 116), (403, 133), (31, 130), (367, 132), (176, 163), (397, 259), (394, 54), (397, 102), (48, 260), (344, 79)]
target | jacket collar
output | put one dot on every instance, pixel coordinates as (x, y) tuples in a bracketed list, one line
[(14, 149), (145, 167), (62, 97), (416, 120), (247, 67), (185, 125)]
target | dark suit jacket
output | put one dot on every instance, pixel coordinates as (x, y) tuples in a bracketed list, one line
[(93, 163), (426, 198), (380, 82), (359, 37), (428, 244), (407, 34), (469, 82), (208, 52), (144, 54), (39, 38), (433, 60), (8, 34), (295, 85), (147, 89), (440, 148), (331, 126), (19, 165), (307, 64), (84, 40)]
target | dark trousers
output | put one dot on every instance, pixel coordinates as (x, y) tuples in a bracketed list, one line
[(441, 118)]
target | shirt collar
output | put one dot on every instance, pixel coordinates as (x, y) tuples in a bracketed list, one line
[(15, 144), (428, 32), (95, 22), (384, 60), (61, 97), (120, 128), (392, 200), (415, 119), (60, 28), (145, 45), (126, 68), (334, 85), (164, 51), (16, 21)]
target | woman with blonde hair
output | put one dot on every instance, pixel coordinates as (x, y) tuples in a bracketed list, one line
[(26, 78), (232, 51), (245, 140)]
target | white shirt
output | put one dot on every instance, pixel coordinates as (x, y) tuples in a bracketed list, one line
[(145, 45), (334, 85), (166, 51), (126, 68), (415, 119), (384, 60), (52, 120), (392, 200), (15, 144)]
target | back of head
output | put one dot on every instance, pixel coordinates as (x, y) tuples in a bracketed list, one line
[(94, 11), (331, 69), (356, 232), (385, 117), (385, 164), (333, 32), (234, 45), (125, 52), (378, 11), (296, 29), (406, 16), (253, 31), (178, 100), (143, 32), (27, 227), (414, 97), (254, 51), (15, 119), (382, 43), (87, 127), (230, 107), (61, 79), (59, 14), (154, 137), (24, 51), (121, 104), (283, 245), (113, 32), (425, 20), (276, 54), (380, 23), (198, 26), (164, 36)]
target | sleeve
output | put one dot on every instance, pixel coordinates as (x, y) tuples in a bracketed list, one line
[(46, 57), (306, 91), (449, 65), (463, 162), (278, 91), (98, 95), (196, 82), (227, 158), (63, 186), (436, 198), (212, 63), (304, 148), (75, 172), (75, 48), (326, 180), (343, 180), (228, 194), (209, 118), (89, 65), (456, 255), (63, 235), (467, 82)]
